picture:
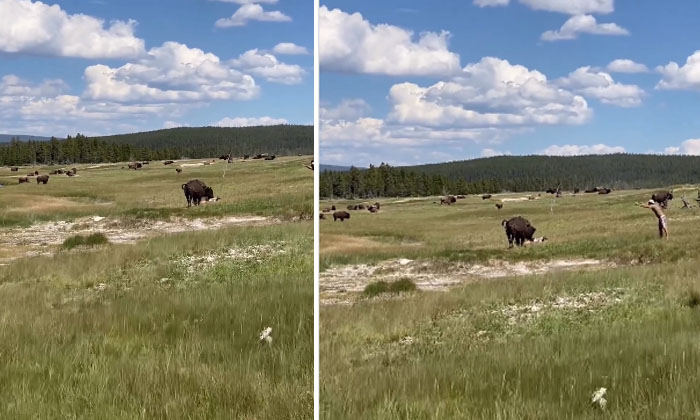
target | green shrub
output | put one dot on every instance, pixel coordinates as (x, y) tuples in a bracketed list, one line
[(378, 287), (94, 239)]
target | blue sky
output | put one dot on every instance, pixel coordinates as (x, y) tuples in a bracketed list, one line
[(105, 67), (409, 82)]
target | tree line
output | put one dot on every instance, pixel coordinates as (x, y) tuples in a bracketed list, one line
[(512, 174), (176, 143)]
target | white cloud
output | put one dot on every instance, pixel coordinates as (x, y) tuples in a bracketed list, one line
[(172, 72), (600, 85), (290, 48), (249, 122), (686, 77), (688, 147), (570, 7), (488, 152), (12, 85), (574, 150), (347, 109), (247, 1), (29, 27), (251, 11), (490, 93), (266, 65), (174, 124), (491, 3), (586, 24), (623, 65), (349, 43)]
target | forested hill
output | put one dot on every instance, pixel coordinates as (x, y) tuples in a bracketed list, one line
[(174, 143), (514, 173), (199, 142)]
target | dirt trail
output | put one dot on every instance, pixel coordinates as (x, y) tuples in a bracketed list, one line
[(42, 238), (337, 284)]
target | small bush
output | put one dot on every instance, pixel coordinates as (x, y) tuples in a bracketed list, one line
[(94, 239), (379, 287)]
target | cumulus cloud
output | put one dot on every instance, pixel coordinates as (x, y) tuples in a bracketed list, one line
[(347, 109), (488, 152), (174, 124), (623, 65), (688, 147), (574, 150), (251, 11), (685, 77), (172, 72), (489, 93), (28, 27), (249, 122), (289, 48), (600, 85), (570, 7), (349, 43), (585, 24), (266, 65)]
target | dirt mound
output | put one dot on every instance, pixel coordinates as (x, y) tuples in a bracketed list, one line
[(42, 238), (338, 283)]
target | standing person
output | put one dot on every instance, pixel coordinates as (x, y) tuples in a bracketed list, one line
[(656, 208)]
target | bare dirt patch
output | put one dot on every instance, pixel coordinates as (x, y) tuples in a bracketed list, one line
[(42, 238), (338, 284)]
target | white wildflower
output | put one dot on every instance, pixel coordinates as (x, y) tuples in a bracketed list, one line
[(599, 398), (265, 335)]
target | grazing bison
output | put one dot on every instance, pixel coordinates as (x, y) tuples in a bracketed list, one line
[(372, 209), (14, 169), (551, 191), (321, 216), (23, 179), (70, 173), (246, 157), (662, 197), (449, 199), (377, 205), (342, 215), (460, 197), (499, 206), (592, 190), (168, 162), (36, 172), (270, 157), (486, 196), (224, 157), (576, 190), (178, 170), (135, 165), (42, 179), (195, 190), (74, 170), (518, 229), (604, 191)]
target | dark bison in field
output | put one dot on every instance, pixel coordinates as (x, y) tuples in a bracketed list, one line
[(168, 162), (42, 179), (499, 206), (178, 170), (448, 200), (662, 197), (592, 190), (23, 179), (518, 230), (270, 157), (195, 190), (486, 196), (135, 165), (372, 209), (576, 190), (551, 191), (14, 169), (69, 173), (321, 216), (604, 191), (246, 157), (342, 215)]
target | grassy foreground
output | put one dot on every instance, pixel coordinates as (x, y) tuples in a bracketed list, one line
[(528, 347), (166, 328)]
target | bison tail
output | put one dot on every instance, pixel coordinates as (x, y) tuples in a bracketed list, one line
[(183, 186)]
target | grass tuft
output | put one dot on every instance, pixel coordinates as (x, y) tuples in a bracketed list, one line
[(380, 287), (94, 239)]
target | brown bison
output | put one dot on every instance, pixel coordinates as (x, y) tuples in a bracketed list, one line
[(74, 170), (448, 200), (342, 215), (23, 179), (321, 216), (486, 196), (576, 190), (36, 172), (270, 157), (246, 157), (195, 190), (42, 179), (662, 197), (168, 162), (604, 191), (499, 206), (135, 165), (69, 173), (14, 169), (178, 170), (518, 230), (372, 209)]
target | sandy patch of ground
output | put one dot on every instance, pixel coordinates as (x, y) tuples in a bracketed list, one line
[(254, 253), (42, 238), (338, 284)]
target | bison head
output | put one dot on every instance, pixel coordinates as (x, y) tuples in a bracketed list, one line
[(209, 193)]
